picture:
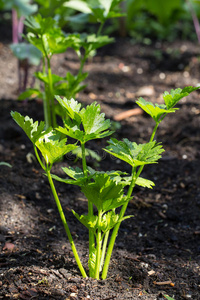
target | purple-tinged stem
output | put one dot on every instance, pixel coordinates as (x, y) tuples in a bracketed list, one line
[(195, 20), (14, 26)]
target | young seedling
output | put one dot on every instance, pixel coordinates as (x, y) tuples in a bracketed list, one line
[(104, 190)]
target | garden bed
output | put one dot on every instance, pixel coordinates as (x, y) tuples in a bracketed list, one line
[(157, 251)]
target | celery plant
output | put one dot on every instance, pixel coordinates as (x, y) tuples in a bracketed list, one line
[(104, 190), (46, 35)]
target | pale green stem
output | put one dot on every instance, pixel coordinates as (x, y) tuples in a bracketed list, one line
[(122, 212), (87, 53), (116, 228), (51, 93), (46, 103), (90, 205), (105, 241), (154, 132), (38, 158), (98, 247), (84, 159), (62, 216), (100, 28), (83, 60)]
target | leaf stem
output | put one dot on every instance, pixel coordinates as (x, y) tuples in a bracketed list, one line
[(154, 131), (82, 60), (90, 205), (98, 248), (46, 104), (84, 159), (104, 249), (38, 158), (62, 216), (135, 175), (100, 28), (53, 113), (116, 228)]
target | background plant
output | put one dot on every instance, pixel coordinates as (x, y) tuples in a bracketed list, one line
[(148, 20), (46, 35), (110, 192), (27, 54)]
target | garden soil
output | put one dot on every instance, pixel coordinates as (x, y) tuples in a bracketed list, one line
[(157, 251)]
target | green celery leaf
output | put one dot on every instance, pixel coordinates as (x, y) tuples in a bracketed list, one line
[(135, 154), (44, 77), (145, 182), (112, 173), (56, 42), (113, 14), (74, 173), (154, 110), (73, 85), (104, 192), (77, 175), (53, 147), (102, 9), (93, 121), (88, 152), (89, 222), (109, 220), (157, 111), (172, 98), (79, 5), (74, 132), (48, 37), (72, 108), (92, 42), (30, 94), (32, 129), (78, 182), (39, 25), (34, 40)]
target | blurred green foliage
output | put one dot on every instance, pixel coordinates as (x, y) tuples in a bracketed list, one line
[(143, 20)]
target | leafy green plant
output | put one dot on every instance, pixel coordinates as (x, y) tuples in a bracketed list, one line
[(46, 35), (159, 19), (110, 192)]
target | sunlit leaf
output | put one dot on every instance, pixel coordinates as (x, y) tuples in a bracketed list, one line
[(159, 111), (79, 5), (90, 118), (145, 182), (53, 147), (32, 129), (104, 192), (135, 154), (172, 98), (156, 111), (76, 175)]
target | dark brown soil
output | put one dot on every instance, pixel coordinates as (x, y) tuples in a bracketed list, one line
[(157, 251)]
